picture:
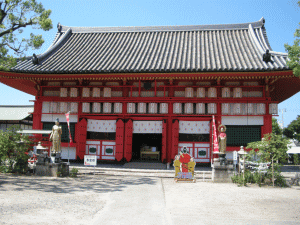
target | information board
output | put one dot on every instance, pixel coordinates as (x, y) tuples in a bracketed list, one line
[(90, 160), (235, 157)]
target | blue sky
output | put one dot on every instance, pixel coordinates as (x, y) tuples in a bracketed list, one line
[(282, 18)]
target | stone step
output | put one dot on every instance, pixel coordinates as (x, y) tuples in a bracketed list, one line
[(200, 175)]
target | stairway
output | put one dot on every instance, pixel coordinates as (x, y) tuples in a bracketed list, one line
[(145, 165)]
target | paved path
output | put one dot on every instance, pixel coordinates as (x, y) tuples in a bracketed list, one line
[(141, 200), (137, 204)]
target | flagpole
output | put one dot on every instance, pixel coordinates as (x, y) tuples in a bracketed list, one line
[(70, 138)]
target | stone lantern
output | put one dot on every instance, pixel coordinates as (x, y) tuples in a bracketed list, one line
[(242, 155)]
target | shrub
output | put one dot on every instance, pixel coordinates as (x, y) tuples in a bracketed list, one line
[(13, 148), (74, 172)]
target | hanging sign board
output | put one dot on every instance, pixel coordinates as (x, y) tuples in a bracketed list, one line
[(90, 160)]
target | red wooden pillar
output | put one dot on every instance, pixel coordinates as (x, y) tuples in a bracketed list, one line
[(267, 127), (119, 140), (175, 137), (169, 140), (80, 131), (37, 115), (164, 141), (128, 140)]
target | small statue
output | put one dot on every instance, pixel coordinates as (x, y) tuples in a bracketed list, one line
[(55, 137), (222, 139)]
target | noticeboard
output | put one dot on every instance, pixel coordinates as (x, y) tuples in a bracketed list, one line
[(235, 157), (90, 160)]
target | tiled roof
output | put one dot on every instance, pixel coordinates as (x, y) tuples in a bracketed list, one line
[(195, 48), (10, 112)]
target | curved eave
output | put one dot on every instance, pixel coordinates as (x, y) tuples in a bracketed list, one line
[(283, 89), (26, 85)]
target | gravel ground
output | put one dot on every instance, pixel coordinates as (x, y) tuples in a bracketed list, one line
[(47, 200), (96, 199)]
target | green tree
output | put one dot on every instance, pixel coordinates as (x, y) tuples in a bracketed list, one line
[(15, 15), (296, 159), (13, 148), (294, 52), (293, 129), (276, 129), (271, 148)]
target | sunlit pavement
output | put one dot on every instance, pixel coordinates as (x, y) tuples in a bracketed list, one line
[(141, 200)]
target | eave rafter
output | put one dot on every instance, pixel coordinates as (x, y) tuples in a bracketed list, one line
[(272, 76)]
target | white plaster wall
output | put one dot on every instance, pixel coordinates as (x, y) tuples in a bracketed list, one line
[(62, 118)]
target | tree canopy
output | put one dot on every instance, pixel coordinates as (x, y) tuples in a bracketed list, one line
[(15, 15), (276, 129), (13, 148), (293, 129), (271, 148), (294, 52)]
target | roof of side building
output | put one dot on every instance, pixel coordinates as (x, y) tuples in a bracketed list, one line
[(15, 112), (194, 48)]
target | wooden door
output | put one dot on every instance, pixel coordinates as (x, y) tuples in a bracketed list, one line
[(119, 140), (128, 140), (81, 129)]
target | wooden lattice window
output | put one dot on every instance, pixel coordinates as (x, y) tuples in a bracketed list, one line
[(242, 135), (65, 131)]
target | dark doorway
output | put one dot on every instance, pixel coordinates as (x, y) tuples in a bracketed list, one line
[(141, 140)]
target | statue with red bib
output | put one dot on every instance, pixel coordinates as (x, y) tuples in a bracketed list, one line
[(184, 159)]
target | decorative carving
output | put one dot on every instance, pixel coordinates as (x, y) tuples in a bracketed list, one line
[(267, 57), (188, 108), (200, 108), (118, 107), (200, 92), (152, 108), (226, 92), (163, 108), (189, 92), (35, 59), (177, 108), (212, 108), (142, 107)]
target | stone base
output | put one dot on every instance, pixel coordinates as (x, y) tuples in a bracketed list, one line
[(52, 169), (222, 173)]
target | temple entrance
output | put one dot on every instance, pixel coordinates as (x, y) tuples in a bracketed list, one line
[(146, 146)]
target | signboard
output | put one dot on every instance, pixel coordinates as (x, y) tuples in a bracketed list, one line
[(235, 157), (184, 166), (90, 160)]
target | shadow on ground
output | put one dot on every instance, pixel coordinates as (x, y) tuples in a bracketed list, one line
[(96, 184)]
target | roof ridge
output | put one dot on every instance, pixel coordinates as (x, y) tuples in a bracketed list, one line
[(259, 23), (54, 46)]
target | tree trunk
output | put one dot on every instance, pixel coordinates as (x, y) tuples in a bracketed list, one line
[(273, 171)]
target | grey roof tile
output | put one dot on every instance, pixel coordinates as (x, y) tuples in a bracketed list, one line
[(230, 47)]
